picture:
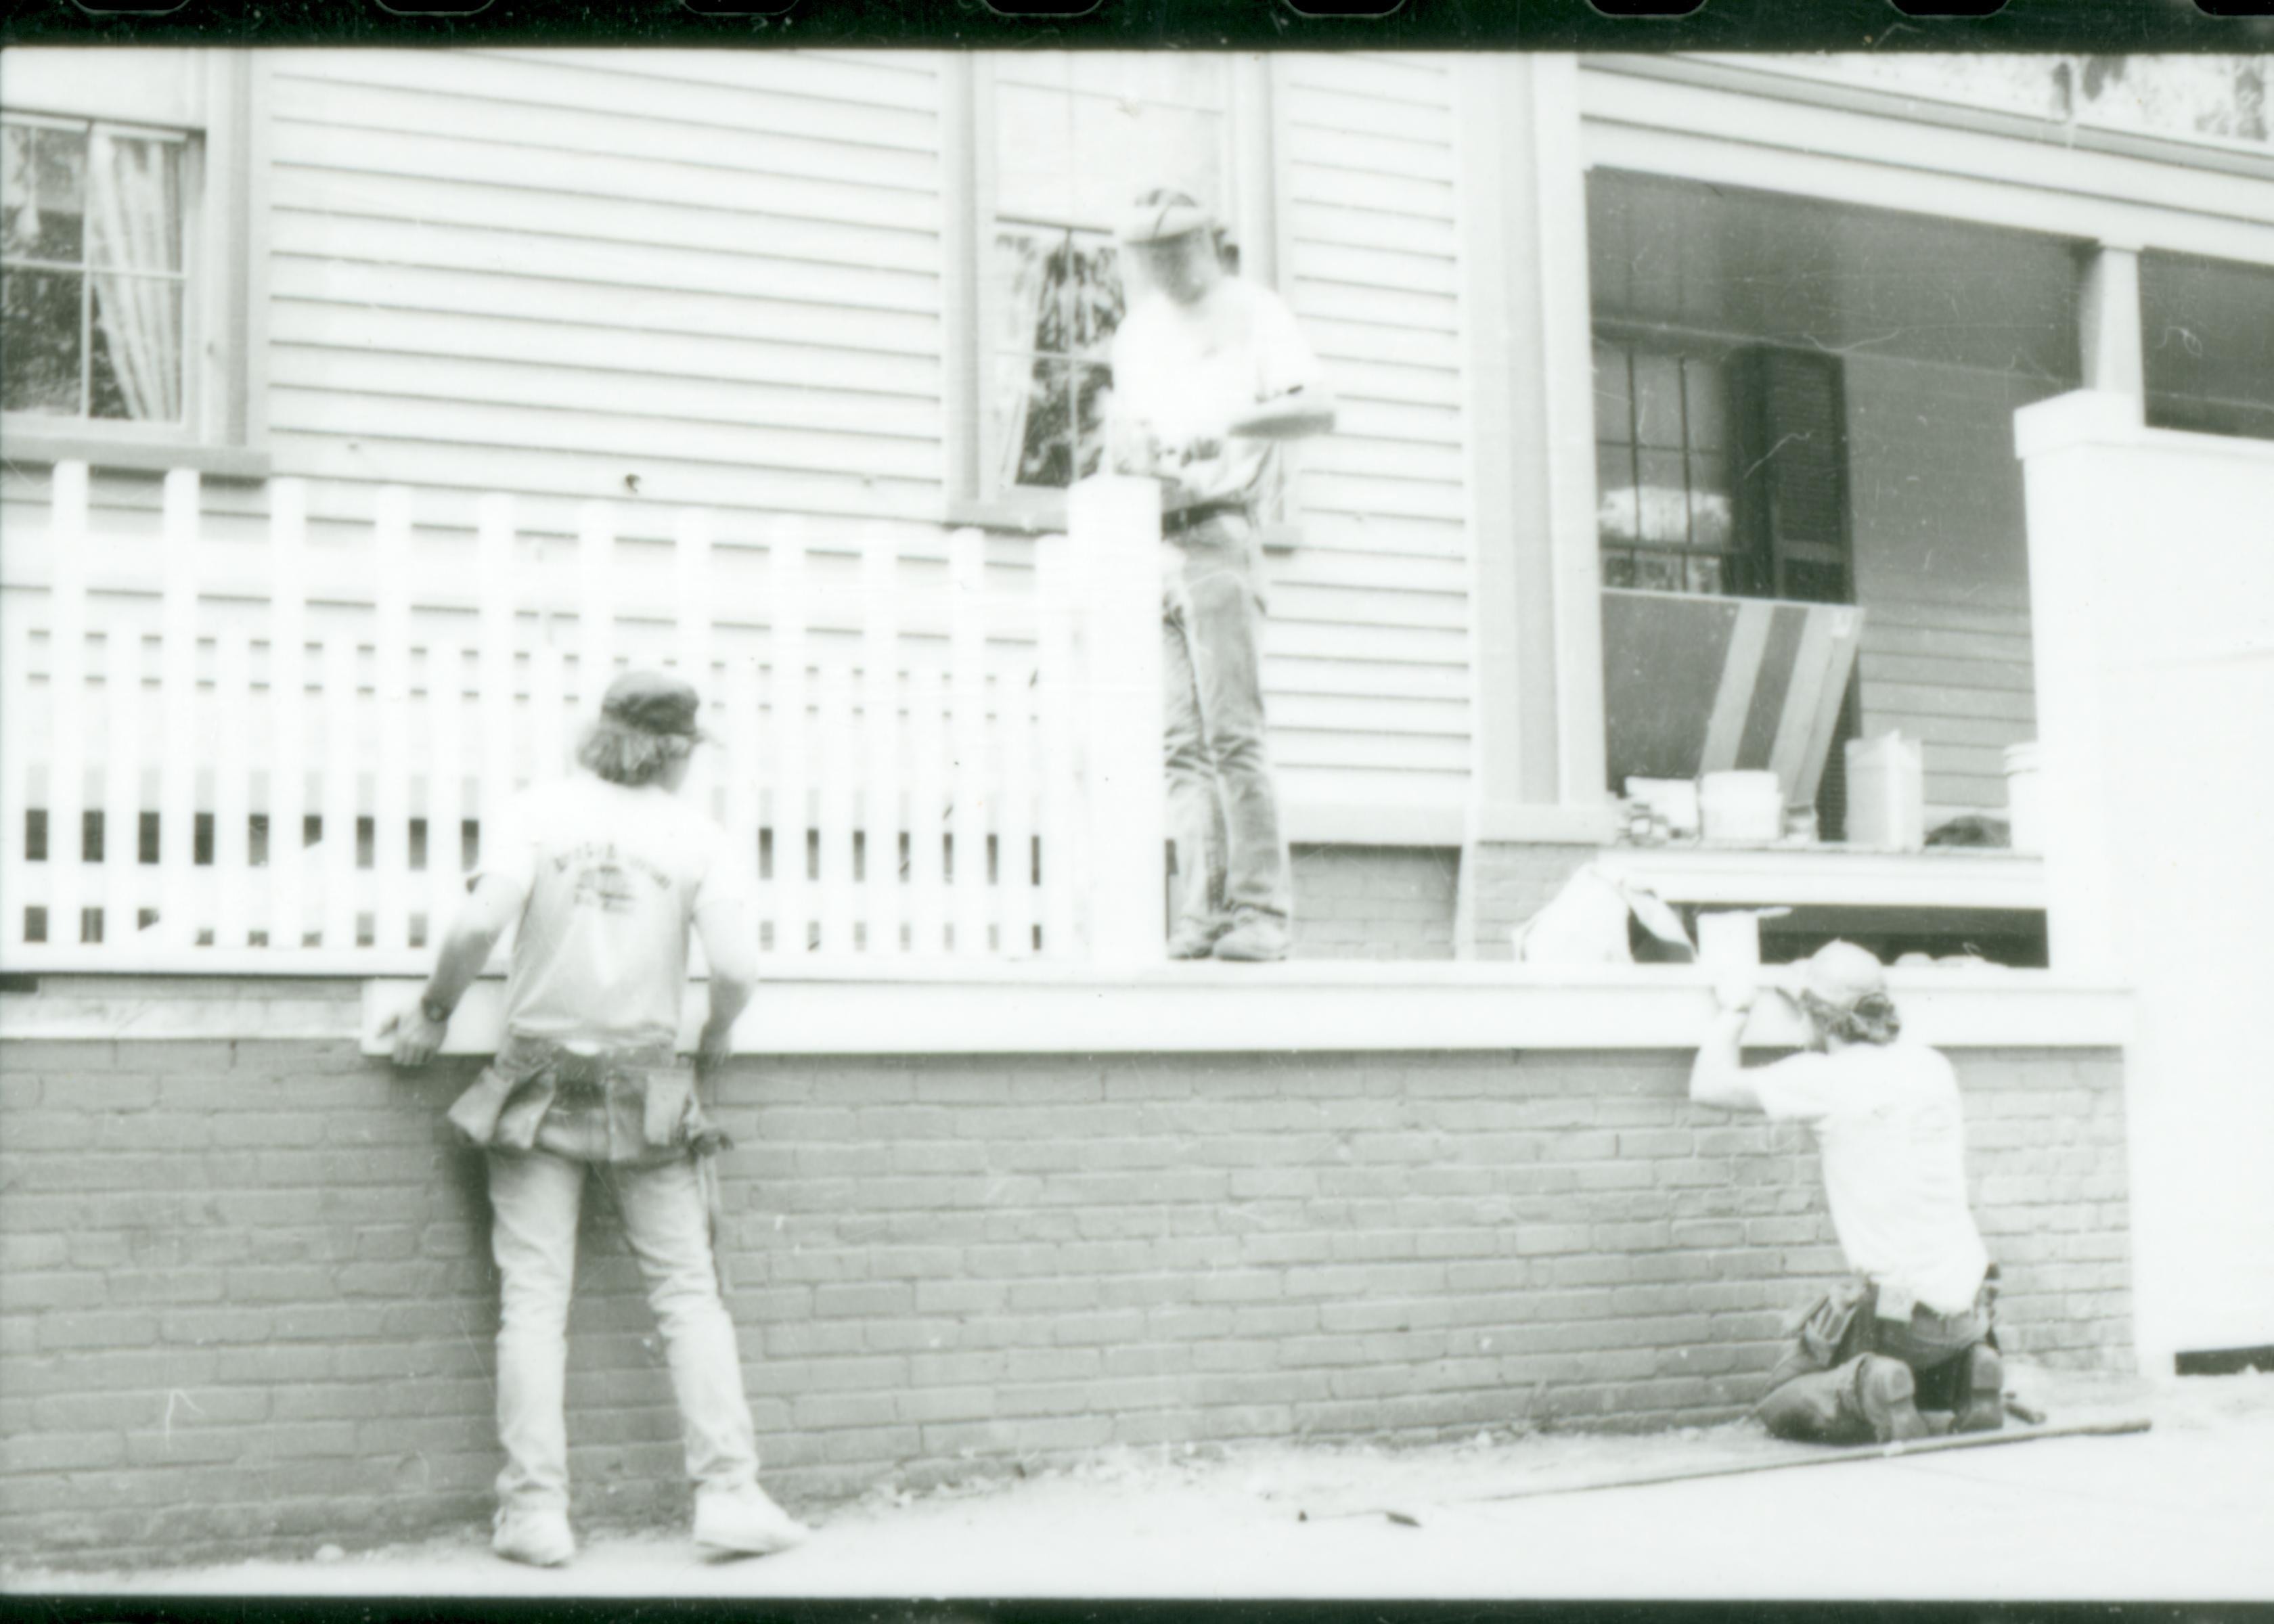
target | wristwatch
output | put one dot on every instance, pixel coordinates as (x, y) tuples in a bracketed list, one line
[(434, 1010)]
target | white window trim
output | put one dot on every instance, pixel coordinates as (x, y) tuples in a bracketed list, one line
[(224, 433)]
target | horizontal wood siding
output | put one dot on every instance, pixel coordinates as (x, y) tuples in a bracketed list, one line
[(1942, 568), (1369, 634), (666, 278)]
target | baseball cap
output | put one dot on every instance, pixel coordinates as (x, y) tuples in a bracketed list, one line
[(1842, 975), (1161, 212), (654, 701)]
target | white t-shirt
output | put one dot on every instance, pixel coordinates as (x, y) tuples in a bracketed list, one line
[(1189, 370), (1892, 1136), (610, 879)]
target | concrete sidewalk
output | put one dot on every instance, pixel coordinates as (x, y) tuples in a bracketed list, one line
[(2180, 1514)]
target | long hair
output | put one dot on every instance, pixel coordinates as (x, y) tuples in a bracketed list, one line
[(1871, 1019), (628, 755)]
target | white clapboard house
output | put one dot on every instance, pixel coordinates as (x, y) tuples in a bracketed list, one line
[(365, 408)]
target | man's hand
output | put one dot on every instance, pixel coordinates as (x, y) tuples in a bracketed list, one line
[(1135, 448), (1736, 993), (713, 1049), (415, 1037)]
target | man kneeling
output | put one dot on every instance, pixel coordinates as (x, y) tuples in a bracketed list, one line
[(1912, 1334)]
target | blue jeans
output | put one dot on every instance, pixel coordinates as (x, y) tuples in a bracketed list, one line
[(1223, 806), (1812, 1392), (535, 1199)]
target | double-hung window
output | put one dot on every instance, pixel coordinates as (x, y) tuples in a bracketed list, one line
[(1054, 149), (124, 305)]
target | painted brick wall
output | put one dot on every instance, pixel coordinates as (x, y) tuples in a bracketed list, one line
[(1510, 882), (1375, 901), (245, 1303)]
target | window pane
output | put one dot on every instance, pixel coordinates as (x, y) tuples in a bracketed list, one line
[(1160, 79), (136, 190), (1658, 400), (1033, 161), (42, 193), (1614, 397), (1121, 146), (1060, 433), (1706, 404), (40, 338), (136, 370), (1616, 518), (1712, 520), (1658, 571), (1663, 500), (1618, 569), (1706, 573)]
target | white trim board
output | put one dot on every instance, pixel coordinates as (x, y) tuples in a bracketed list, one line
[(1317, 1007), (1718, 135)]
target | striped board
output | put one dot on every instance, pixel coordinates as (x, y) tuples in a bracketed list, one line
[(1693, 684)]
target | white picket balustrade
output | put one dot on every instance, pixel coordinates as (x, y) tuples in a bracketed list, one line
[(307, 783)]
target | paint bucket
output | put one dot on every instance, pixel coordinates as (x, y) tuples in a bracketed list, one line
[(1741, 807), (1886, 794), (1730, 941)]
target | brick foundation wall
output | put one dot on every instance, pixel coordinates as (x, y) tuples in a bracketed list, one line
[(246, 1302), (1509, 882), (1375, 901)]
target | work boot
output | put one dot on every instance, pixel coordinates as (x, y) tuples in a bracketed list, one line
[(1255, 937), (537, 1535), (1193, 938), (1887, 1395), (1982, 1408), (744, 1523)]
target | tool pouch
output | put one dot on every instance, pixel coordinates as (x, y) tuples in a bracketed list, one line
[(475, 1113), (1824, 1331)]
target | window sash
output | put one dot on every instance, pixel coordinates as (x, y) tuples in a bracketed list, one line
[(189, 303)]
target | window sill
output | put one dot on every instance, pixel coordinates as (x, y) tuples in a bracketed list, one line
[(37, 447)]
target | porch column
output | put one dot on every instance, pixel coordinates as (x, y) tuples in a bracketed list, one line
[(2108, 313), (1537, 802)]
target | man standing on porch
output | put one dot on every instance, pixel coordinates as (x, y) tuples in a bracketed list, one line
[(605, 873), (1209, 373), (1912, 1332)]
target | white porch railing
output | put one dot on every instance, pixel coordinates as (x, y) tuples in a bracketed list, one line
[(298, 784)]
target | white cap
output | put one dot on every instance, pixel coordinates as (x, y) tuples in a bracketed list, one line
[(1842, 975), (1160, 213)]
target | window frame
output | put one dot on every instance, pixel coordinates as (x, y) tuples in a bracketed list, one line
[(967, 198), (222, 433)]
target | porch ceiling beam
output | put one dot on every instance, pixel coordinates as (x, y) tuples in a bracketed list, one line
[(1715, 136)]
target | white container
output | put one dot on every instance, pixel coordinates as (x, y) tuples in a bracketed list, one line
[(1886, 794), (1742, 806), (1730, 941), (2024, 802)]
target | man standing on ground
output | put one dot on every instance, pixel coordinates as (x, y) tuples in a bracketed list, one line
[(604, 873), (1209, 373), (1913, 1331)]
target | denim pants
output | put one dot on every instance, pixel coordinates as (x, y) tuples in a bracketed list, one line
[(1813, 1392), (1223, 806), (535, 1199)]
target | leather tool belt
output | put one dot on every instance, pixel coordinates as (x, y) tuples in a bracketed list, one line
[(617, 1105)]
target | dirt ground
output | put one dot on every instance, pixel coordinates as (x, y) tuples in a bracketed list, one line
[(2178, 1513)]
